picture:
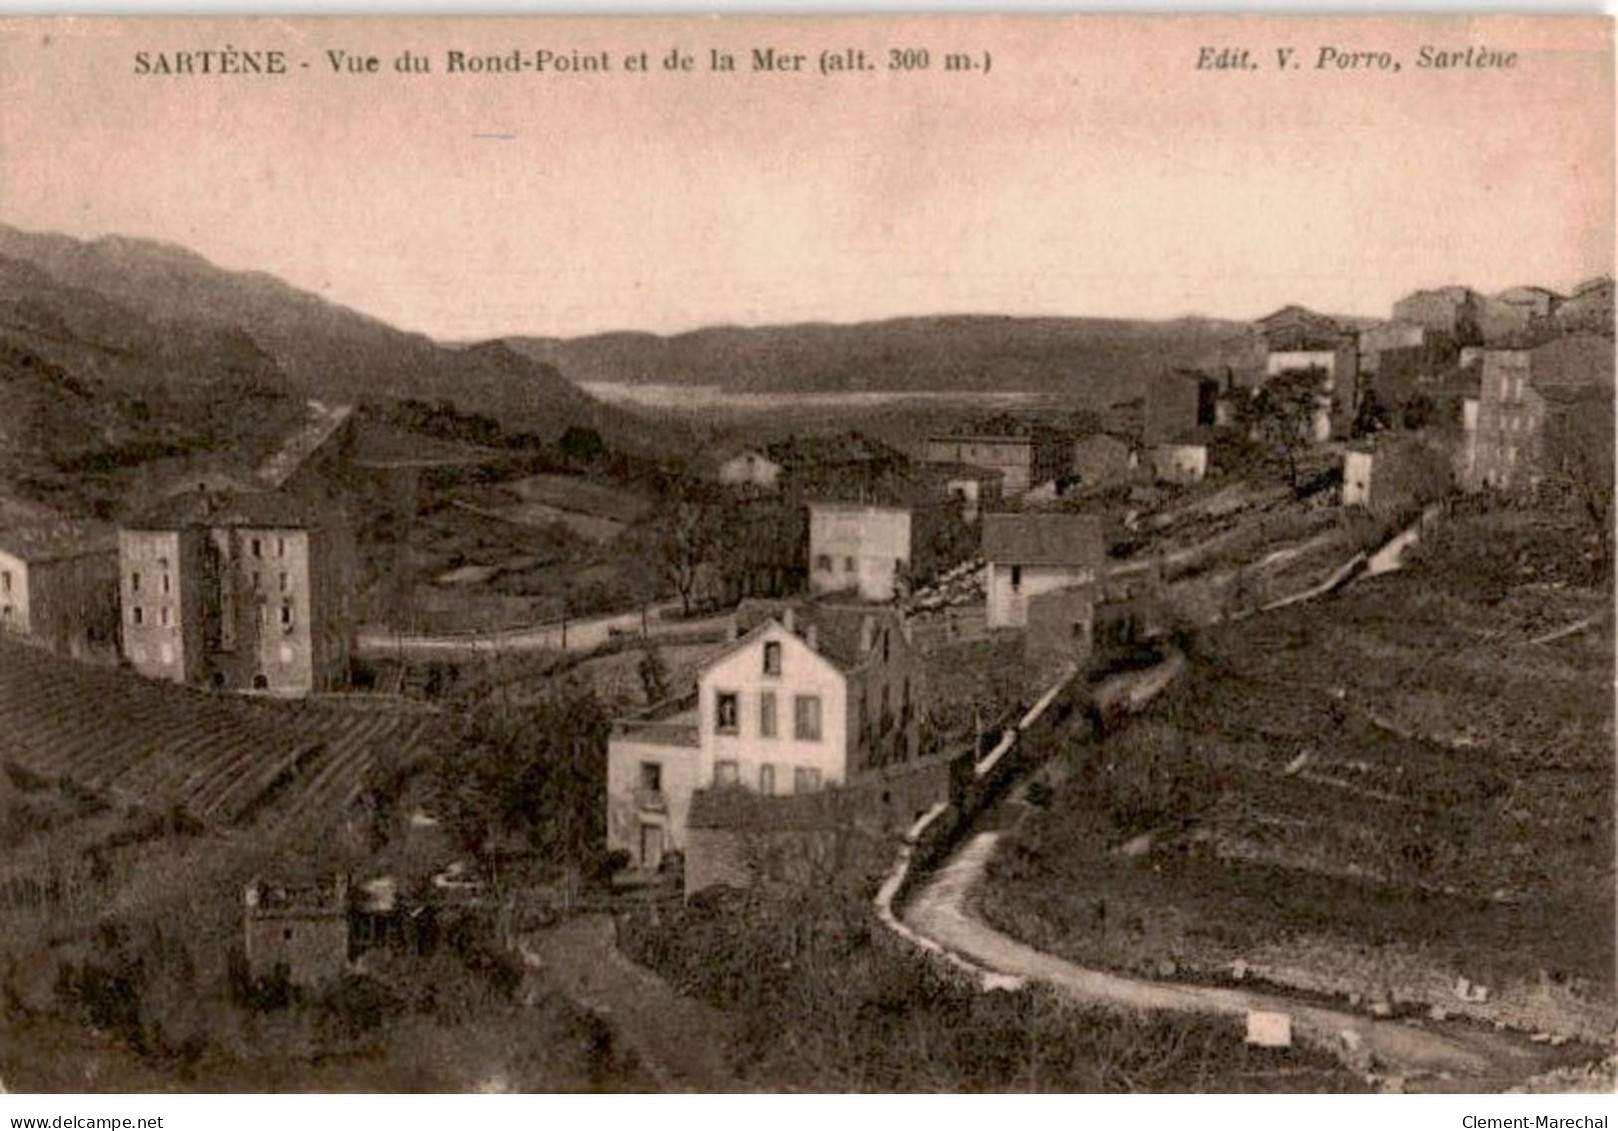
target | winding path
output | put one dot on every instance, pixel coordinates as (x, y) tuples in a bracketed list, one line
[(1458, 1058)]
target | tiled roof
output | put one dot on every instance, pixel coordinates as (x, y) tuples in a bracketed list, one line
[(836, 625), (270, 509), (1043, 539)]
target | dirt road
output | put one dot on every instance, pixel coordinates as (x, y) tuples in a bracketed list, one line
[(1453, 1057), (681, 1041), (581, 635)]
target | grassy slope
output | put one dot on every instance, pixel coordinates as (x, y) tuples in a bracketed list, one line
[(1454, 798)]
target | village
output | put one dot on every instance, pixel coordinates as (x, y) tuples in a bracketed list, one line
[(398, 688)]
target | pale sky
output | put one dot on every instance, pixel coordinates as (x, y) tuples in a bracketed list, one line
[(1094, 170)]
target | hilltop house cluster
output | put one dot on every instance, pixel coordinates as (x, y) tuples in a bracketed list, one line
[(217, 581), (826, 688)]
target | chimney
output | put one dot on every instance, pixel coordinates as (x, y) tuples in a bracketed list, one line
[(812, 637), (789, 620)]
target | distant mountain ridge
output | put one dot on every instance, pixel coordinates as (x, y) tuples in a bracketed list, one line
[(1093, 360), (323, 350)]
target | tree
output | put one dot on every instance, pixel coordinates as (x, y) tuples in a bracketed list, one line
[(686, 542), (534, 772), (1579, 447), (582, 446), (1283, 412)]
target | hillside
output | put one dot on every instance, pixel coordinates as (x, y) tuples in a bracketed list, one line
[(323, 350), (1093, 360), (92, 387)]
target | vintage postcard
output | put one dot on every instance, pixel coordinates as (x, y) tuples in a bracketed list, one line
[(823, 554)]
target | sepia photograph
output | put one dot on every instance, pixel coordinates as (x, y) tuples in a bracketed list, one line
[(820, 554)]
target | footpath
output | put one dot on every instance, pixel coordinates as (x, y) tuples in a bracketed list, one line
[(680, 1041)]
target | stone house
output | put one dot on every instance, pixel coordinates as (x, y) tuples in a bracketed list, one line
[(1030, 554), (297, 931), (1453, 311), (1025, 453), (243, 591), (59, 586), (1103, 460), (1524, 399), (1178, 403), (859, 548)]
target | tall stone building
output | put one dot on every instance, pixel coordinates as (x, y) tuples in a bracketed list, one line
[(246, 591)]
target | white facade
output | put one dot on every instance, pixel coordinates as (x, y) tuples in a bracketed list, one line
[(14, 607), (859, 548), (773, 715), (750, 468), (1011, 587), (1180, 463), (1357, 479), (652, 771)]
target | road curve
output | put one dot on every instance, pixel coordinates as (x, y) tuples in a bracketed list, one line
[(1458, 1058)]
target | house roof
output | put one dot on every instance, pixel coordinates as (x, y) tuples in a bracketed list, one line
[(968, 471), (844, 447), (270, 509), (54, 539), (837, 625), (1043, 539)]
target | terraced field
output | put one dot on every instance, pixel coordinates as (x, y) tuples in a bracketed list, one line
[(284, 766)]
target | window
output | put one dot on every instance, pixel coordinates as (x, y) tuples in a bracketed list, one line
[(806, 718), (885, 645), (725, 773), (766, 779), (823, 563), (163, 615), (134, 582), (165, 583), (280, 547), (137, 615), (258, 581), (7, 611), (651, 777), (286, 616), (766, 714), (725, 712), (5, 581), (283, 582), (1016, 577), (258, 550), (805, 779), (772, 657), (848, 565)]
